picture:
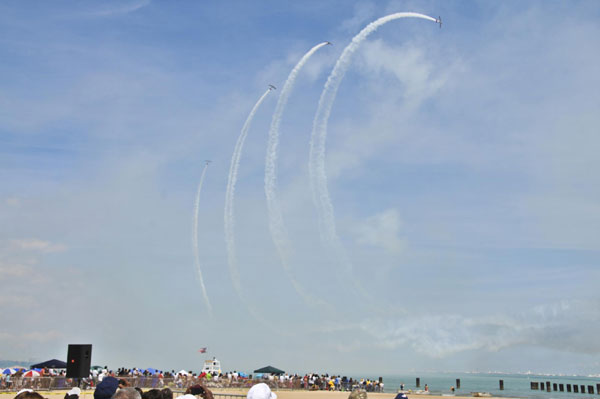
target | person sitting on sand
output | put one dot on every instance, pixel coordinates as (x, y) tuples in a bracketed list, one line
[(73, 393), (107, 388), (152, 394), (28, 394), (261, 391), (201, 390), (358, 394), (127, 393)]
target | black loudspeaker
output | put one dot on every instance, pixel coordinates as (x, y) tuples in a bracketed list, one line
[(79, 359)]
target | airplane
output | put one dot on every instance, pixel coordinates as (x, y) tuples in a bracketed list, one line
[(329, 43), (439, 21), (208, 161), (271, 87)]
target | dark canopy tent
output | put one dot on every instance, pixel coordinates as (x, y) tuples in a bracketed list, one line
[(270, 370), (51, 364)]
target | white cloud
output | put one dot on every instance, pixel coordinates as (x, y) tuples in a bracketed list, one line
[(34, 244), (8, 269), (555, 326), (419, 76), (120, 8), (381, 231)]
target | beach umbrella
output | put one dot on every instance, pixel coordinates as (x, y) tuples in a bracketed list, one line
[(152, 371), (270, 370), (51, 364), (9, 371), (183, 372), (31, 373)]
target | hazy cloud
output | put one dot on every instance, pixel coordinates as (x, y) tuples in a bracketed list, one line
[(34, 244), (119, 8), (382, 231), (550, 326)]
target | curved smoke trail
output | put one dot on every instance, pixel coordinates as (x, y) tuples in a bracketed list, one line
[(276, 224), (316, 165), (195, 240), (229, 195)]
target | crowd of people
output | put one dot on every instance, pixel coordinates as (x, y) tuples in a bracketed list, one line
[(112, 388), (314, 381), (181, 380), (184, 379)]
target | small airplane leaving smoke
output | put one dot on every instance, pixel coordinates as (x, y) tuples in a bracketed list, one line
[(271, 87), (331, 44), (208, 161), (439, 21)]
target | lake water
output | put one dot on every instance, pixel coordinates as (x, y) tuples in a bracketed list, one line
[(515, 385)]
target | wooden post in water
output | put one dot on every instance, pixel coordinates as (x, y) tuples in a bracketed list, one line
[(547, 386), (458, 384), (575, 388), (555, 387), (598, 388), (591, 389), (583, 389), (535, 386), (568, 387), (561, 387), (501, 383), (418, 382)]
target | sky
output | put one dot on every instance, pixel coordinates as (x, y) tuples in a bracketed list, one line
[(462, 166)]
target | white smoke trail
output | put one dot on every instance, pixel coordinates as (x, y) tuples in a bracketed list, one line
[(316, 165), (229, 196), (276, 224), (195, 240)]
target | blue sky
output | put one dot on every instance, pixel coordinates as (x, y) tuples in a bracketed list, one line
[(462, 166)]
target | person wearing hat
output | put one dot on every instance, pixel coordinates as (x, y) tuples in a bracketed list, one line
[(107, 388), (261, 391), (73, 393)]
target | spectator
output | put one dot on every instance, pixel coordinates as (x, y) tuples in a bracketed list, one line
[(127, 393), (152, 394), (204, 392), (261, 391), (28, 394), (107, 388), (73, 393)]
